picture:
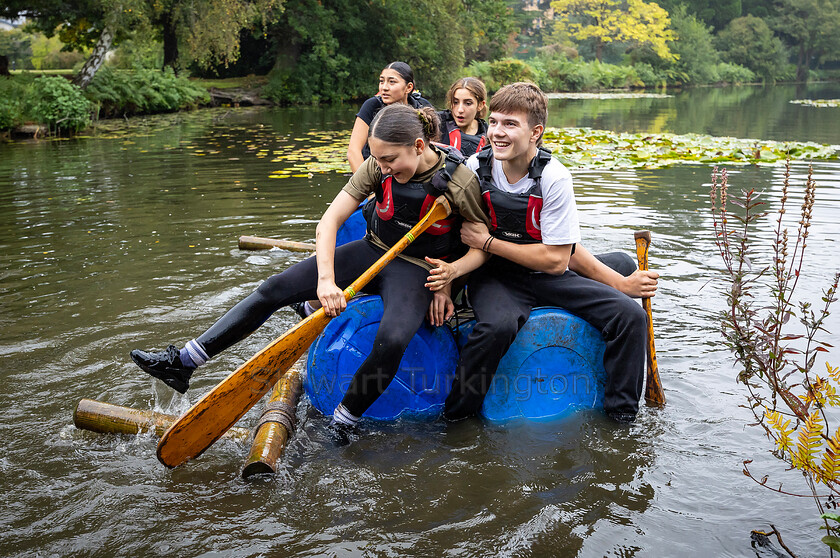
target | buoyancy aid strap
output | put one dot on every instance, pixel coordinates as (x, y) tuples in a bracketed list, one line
[(538, 163), (485, 164), (439, 183), (535, 169)]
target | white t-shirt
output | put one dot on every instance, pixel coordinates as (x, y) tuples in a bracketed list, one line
[(558, 219)]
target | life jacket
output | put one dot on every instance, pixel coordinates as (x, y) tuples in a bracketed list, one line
[(513, 217), (465, 143), (398, 207)]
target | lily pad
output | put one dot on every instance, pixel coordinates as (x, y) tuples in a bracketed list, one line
[(821, 103), (587, 148)]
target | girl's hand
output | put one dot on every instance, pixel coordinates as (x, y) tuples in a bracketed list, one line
[(331, 298), (441, 275), (441, 308), (641, 284)]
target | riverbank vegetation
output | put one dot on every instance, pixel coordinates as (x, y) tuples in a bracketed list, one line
[(60, 106), (777, 340), (331, 50)]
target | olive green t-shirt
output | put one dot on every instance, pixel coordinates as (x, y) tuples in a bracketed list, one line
[(464, 194)]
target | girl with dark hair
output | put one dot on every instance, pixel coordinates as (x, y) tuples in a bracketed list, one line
[(405, 173), (462, 124), (396, 85)]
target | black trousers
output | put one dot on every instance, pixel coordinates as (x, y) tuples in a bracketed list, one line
[(404, 297), (502, 296)]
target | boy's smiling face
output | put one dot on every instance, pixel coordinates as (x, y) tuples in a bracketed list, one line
[(512, 136)]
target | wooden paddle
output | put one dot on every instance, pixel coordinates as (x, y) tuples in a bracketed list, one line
[(218, 410), (653, 391)]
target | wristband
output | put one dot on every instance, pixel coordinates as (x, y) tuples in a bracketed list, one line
[(486, 244)]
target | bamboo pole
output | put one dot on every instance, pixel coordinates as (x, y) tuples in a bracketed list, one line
[(260, 243), (97, 416), (276, 425)]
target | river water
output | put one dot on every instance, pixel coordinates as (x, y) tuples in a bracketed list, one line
[(118, 241)]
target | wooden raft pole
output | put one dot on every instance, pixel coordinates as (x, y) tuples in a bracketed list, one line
[(97, 416), (654, 395), (260, 243), (276, 425)]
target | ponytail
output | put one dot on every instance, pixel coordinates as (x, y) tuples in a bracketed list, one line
[(402, 124)]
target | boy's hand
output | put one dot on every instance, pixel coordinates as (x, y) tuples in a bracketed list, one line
[(640, 284), (441, 308), (473, 234)]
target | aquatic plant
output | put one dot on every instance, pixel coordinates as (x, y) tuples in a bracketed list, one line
[(786, 392), (578, 148), (820, 103)]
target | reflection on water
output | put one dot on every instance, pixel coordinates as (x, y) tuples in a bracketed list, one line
[(121, 241), (756, 112)]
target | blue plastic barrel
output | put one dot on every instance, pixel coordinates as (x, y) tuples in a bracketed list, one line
[(354, 228), (554, 367), (421, 384)]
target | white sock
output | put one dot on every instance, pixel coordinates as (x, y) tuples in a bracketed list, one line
[(342, 416), (196, 352)]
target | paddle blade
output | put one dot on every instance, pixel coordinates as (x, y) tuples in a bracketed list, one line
[(212, 415)]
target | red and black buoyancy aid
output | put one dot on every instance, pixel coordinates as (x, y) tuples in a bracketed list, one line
[(398, 207), (465, 143), (513, 217)]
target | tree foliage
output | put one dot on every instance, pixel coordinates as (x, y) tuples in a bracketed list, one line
[(749, 41), (605, 21), (209, 30), (694, 45), (329, 50), (811, 27)]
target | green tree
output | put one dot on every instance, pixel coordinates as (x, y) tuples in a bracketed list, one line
[(812, 28), (330, 50), (694, 46), (17, 46), (717, 13), (79, 24), (750, 42), (606, 21), (209, 29)]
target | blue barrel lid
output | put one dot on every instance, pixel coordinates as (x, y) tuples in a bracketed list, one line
[(354, 228), (554, 367), (421, 384)]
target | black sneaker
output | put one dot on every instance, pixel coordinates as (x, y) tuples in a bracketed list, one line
[(165, 366), (341, 434), (300, 309)]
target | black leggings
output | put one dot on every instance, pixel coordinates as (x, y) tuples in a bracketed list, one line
[(404, 297)]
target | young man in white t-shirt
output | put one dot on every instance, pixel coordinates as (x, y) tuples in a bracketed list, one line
[(538, 261)]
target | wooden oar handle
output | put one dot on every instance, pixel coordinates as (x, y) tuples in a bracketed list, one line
[(642, 242), (654, 394), (440, 210)]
